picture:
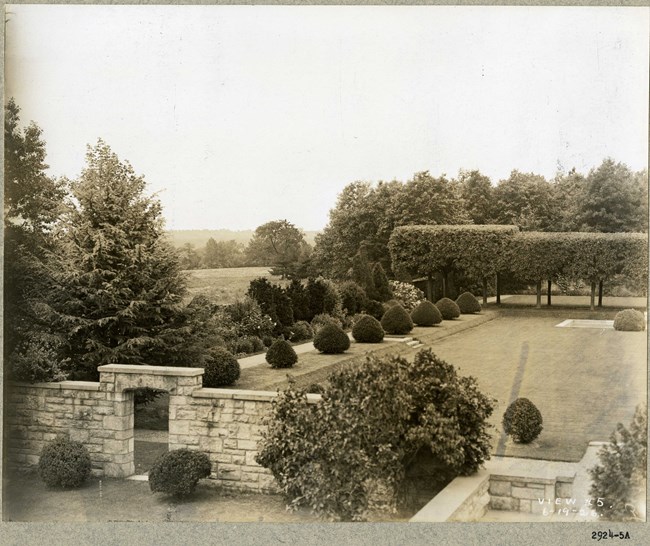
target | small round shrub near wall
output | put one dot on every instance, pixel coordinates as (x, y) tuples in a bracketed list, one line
[(281, 355), (448, 309), (64, 463), (331, 340), (426, 314), (178, 472), (629, 320), (468, 304), (367, 329), (221, 368), (397, 321), (522, 421)]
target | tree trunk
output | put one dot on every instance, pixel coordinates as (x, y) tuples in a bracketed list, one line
[(485, 296), (548, 293), (600, 293), (429, 288), (593, 295), (539, 295), (498, 282)]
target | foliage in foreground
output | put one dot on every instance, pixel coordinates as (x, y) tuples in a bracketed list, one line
[(178, 472), (337, 455), (620, 478), (523, 421), (64, 463), (629, 320)]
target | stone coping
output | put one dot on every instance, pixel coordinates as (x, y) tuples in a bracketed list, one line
[(64, 385), (542, 471), (442, 507), (150, 370), (241, 394)]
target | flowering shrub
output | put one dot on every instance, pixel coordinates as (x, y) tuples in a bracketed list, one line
[(335, 455), (407, 294)]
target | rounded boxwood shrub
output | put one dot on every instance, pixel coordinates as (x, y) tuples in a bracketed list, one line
[(331, 340), (64, 463), (426, 314), (300, 331), (448, 309), (281, 355), (221, 368), (367, 329), (178, 472), (629, 320), (397, 321), (522, 420), (468, 304), (374, 308)]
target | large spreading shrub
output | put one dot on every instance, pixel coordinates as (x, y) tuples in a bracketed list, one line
[(221, 368), (448, 309), (367, 329), (397, 321), (620, 478), (629, 320), (281, 355), (64, 463), (300, 331), (178, 472), (273, 302), (426, 314), (468, 304), (352, 297), (323, 297), (334, 456), (331, 340), (407, 294), (522, 421)]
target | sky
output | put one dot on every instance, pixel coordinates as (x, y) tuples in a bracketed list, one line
[(239, 115)]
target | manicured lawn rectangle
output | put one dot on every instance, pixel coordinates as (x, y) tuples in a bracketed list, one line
[(583, 381)]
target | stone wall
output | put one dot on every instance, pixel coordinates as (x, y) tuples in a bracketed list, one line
[(529, 495)]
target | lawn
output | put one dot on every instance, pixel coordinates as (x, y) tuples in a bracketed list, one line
[(584, 381), (226, 285)]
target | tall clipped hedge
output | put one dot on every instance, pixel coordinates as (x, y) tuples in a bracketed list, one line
[(478, 250)]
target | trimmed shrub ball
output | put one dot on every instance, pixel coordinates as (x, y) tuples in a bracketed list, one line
[(178, 472), (397, 321), (367, 329), (281, 355), (629, 320), (448, 309), (64, 463), (221, 368), (374, 308), (331, 340), (300, 331), (426, 314), (468, 304), (522, 420)]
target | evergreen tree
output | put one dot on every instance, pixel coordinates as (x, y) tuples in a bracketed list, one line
[(362, 274), (118, 298), (380, 282)]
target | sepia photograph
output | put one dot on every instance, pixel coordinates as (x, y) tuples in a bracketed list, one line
[(307, 265)]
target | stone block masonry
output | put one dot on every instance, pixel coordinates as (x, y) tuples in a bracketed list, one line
[(226, 424)]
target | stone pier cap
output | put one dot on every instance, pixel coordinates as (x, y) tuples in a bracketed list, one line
[(141, 369)]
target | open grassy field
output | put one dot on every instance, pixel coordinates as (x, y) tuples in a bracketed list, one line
[(226, 285)]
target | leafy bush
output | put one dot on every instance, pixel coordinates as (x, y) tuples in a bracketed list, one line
[(468, 304), (272, 301), (423, 405), (407, 294), (352, 297), (64, 463), (268, 341), (323, 319), (323, 297), (380, 282), (367, 329), (426, 314), (315, 388), (221, 368), (281, 355), (248, 318), (620, 477), (300, 331), (448, 309), (299, 297), (331, 339), (522, 420), (178, 472), (397, 321), (629, 320), (36, 359), (373, 308)]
